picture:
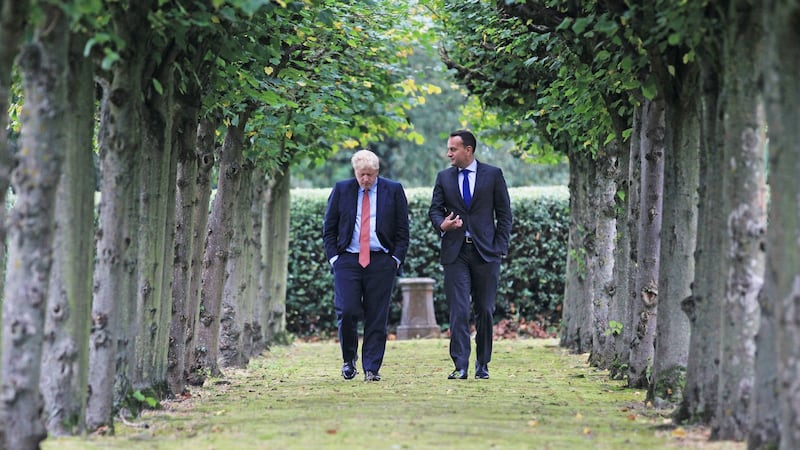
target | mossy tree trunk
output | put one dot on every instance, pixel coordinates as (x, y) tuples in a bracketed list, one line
[(206, 143), (156, 203), (275, 248), (577, 325), (65, 360)]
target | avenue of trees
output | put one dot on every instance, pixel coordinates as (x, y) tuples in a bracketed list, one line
[(674, 281), (110, 306), (683, 262)]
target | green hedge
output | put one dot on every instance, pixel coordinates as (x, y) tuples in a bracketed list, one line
[(531, 277)]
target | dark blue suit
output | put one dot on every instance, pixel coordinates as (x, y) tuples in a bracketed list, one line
[(365, 292), (471, 270)]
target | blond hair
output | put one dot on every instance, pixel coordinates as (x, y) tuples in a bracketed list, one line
[(365, 159)]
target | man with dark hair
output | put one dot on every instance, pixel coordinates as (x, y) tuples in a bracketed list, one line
[(471, 211)]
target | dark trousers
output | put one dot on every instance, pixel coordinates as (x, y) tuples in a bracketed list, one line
[(363, 293), (470, 277)]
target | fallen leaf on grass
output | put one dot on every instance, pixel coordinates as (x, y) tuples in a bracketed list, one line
[(331, 431), (679, 432)]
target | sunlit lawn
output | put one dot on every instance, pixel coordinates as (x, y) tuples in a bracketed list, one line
[(539, 396)]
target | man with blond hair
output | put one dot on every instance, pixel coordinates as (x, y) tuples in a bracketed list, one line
[(366, 239)]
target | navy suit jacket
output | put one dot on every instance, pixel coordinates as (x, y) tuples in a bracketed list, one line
[(391, 218), (488, 218)]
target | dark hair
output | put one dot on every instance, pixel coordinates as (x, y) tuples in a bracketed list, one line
[(467, 138)]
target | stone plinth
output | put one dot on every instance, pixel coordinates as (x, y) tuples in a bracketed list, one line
[(418, 319)]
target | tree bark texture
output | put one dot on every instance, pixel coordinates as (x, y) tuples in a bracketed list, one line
[(678, 231), (113, 308), (13, 18), (614, 348), (43, 65), (703, 306), (645, 305), (206, 141), (216, 255), (252, 337), (65, 359), (576, 332), (604, 194), (156, 202), (275, 247), (744, 178), (627, 259), (236, 307), (255, 342), (782, 275), (183, 243)]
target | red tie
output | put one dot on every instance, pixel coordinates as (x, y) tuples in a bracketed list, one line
[(363, 236)]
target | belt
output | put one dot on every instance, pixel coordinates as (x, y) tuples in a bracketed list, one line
[(468, 239)]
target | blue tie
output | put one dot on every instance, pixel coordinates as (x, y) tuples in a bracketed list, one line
[(465, 187)]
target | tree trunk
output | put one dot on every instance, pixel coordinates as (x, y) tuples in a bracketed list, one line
[(13, 17), (625, 265), (618, 296), (645, 305), (275, 248), (678, 232), (216, 255), (577, 325), (777, 382), (43, 65), (206, 142), (234, 302), (156, 202), (252, 339), (703, 306), (183, 243), (744, 176), (603, 257), (65, 357), (256, 342), (113, 306)]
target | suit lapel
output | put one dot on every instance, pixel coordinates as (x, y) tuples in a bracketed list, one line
[(454, 184)]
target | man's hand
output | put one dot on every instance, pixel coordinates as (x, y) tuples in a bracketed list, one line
[(451, 222)]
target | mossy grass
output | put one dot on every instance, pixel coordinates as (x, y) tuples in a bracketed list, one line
[(539, 396)]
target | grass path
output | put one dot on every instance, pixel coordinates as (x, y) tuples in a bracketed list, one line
[(538, 397)]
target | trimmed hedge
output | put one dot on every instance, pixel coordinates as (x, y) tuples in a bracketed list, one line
[(531, 277)]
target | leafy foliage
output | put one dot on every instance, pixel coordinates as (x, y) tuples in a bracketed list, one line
[(532, 276)]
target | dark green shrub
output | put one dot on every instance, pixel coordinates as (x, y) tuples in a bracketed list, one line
[(531, 278)]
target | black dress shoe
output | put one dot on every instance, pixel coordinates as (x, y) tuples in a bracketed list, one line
[(349, 370), (481, 371), (458, 374), (372, 376)]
